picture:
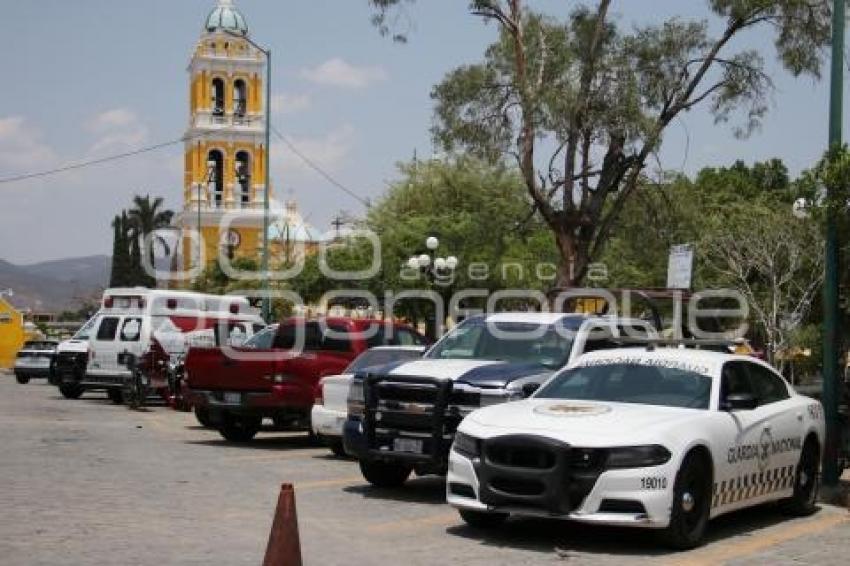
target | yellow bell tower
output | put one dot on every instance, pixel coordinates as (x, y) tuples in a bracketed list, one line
[(225, 153)]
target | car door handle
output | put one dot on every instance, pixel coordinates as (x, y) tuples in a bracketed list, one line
[(799, 416), (767, 428), (228, 362)]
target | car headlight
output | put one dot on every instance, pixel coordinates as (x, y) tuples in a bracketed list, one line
[(466, 445), (356, 400), (637, 456), (499, 396)]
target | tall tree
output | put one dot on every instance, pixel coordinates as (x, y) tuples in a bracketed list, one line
[(122, 272), (581, 106), (767, 255), (114, 279), (146, 217)]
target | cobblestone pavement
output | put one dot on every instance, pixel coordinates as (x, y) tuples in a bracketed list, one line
[(87, 482)]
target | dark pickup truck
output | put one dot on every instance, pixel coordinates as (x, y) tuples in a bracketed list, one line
[(276, 373)]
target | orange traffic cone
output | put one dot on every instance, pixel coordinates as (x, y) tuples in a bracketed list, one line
[(284, 547)]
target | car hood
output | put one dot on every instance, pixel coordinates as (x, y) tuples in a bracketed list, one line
[(583, 423), (73, 346), (480, 373)]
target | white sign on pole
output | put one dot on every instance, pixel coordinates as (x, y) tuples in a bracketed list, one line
[(680, 266)]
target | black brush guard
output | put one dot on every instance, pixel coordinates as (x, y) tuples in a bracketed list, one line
[(436, 449)]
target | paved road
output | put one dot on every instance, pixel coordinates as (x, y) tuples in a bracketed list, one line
[(85, 482)]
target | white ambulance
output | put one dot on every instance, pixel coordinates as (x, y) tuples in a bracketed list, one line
[(139, 322)]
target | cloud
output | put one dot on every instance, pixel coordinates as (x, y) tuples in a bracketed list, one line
[(111, 119), (117, 129), (327, 152), (339, 73), (21, 146), (286, 103)]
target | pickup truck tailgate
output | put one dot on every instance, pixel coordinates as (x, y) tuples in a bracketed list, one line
[(212, 369), (335, 392)]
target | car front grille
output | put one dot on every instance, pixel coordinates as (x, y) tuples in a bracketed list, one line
[(537, 473), (416, 407)]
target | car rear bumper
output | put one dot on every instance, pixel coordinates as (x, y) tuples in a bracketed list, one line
[(327, 422), (271, 403)]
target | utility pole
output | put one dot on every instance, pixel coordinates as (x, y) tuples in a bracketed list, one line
[(830, 394), (268, 125)]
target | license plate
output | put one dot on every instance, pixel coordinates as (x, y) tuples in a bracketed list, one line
[(233, 398), (407, 445)]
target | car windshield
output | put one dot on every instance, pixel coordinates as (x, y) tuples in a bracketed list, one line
[(643, 384), (514, 342), (262, 340), (85, 331), (373, 358)]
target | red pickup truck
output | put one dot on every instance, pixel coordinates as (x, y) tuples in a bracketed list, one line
[(275, 374)]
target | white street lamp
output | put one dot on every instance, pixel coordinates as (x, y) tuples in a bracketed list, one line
[(424, 260), (440, 264), (800, 208), (451, 262), (432, 243)]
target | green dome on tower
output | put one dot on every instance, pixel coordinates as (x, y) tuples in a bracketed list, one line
[(225, 17)]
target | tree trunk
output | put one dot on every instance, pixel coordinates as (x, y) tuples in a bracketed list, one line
[(572, 267)]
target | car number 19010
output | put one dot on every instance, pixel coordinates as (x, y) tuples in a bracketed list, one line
[(657, 482)]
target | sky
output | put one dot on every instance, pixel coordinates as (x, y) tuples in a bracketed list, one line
[(85, 79)]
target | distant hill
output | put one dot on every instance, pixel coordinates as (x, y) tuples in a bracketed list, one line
[(55, 285)]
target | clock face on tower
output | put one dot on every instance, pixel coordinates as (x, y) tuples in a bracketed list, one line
[(231, 238)]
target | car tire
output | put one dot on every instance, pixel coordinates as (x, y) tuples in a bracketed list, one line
[(203, 416), (116, 396), (691, 503), (239, 429), (71, 390), (385, 474), (806, 482), (22, 379), (482, 520)]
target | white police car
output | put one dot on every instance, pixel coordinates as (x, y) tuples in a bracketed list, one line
[(656, 437)]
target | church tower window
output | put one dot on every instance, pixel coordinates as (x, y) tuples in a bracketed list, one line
[(243, 178), (240, 98), (215, 177), (218, 97)]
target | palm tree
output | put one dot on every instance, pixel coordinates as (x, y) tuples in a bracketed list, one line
[(146, 217)]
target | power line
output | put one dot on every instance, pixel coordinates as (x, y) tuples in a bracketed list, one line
[(310, 163), (92, 162), (147, 149)]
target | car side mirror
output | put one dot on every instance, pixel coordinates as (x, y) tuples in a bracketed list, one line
[(529, 389), (740, 402)]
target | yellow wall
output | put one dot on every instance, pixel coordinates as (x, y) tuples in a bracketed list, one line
[(11, 334), (251, 240)]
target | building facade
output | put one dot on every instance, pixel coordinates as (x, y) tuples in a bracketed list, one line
[(225, 153)]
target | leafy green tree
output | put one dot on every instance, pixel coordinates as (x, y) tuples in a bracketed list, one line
[(146, 217), (475, 211), (123, 271), (601, 98), (120, 269), (775, 261)]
